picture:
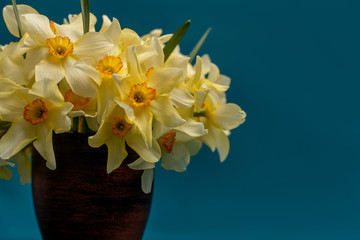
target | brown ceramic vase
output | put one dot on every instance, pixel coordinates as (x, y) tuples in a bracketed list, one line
[(79, 200)]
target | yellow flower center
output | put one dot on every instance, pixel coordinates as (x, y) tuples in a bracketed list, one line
[(60, 46), (167, 141), (78, 101), (141, 95), (52, 26), (120, 127), (35, 112), (109, 65)]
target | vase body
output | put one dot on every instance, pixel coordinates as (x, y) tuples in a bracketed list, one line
[(79, 200)]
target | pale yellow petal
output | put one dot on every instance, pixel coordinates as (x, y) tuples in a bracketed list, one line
[(38, 27), (93, 45), (164, 80), (181, 99), (147, 179), (200, 96), (194, 146), (44, 145), (19, 135), (164, 111), (10, 20), (143, 120), (116, 153), (47, 88), (192, 128), (137, 143), (57, 117), (49, 69), (177, 160), (141, 164), (222, 144), (228, 116)]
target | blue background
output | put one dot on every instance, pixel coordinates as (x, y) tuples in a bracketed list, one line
[(293, 171)]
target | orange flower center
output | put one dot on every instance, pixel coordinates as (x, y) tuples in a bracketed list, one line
[(109, 65), (78, 101), (167, 141), (60, 46), (120, 126), (141, 95), (35, 112)]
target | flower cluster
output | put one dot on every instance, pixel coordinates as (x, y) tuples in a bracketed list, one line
[(111, 82)]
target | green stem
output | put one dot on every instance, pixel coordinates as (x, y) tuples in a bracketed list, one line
[(85, 9), (16, 12)]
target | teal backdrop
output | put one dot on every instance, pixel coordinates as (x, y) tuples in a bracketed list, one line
[(293, 171)]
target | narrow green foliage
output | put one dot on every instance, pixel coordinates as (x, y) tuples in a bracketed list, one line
[(175, 39), (85, 9), (198, 45), (16, 12)]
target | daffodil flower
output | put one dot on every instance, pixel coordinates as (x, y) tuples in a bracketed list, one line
[(58, 52), (115, 131), (147, 94), (34, 114), (219, 118), (5, 171)]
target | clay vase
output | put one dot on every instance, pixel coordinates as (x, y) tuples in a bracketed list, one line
[(79, 200)]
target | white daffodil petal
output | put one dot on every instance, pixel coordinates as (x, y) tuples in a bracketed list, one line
[(129, 38), (12, 105), (209, 139), (47, 88), (90, 72), (13, 69), (72, 34), (198, 70), (222, 144), (80, 83), (114, 31), (206, 63), (194, 146), (38, 27), (57, 117), (143, 120), (19, 135), (23, 162), (159, 129), (136, 142), (164, 79), (34, 56), (164, 111), (10, 20), (147, 179), (106, 23), (8, 85), (214, 73), (49, 69), (130, 115), (177, 160), (93, 45), (181, 99), (116, 153), (133, 66), (193, 128), (228, 116), (44, 145), (200, 96), (157, 61), (141, 164)]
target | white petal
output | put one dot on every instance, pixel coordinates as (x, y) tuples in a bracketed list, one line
[(147, 180), (114, 31), (133, 66), (210, 139), (136, 142), (193, 146), (44, 145), (19, 135), (47, 88), (57, 117), (157, 61), (14, 70), (130, 115), (38, 27), (12, 105), (181, 99), (177, 160), (80, 83), (141, 164), (164, 111), (206, 63), (10, 20), (192, 128), (106, 23), (93, 45), (49, 69), (228, 116), (71, 33), (222, 144), (198, 70), (214, 73), (104, 133), (34, 56), (116, 153), (159, 129), (164, 79), (143, 120), (200, 96)]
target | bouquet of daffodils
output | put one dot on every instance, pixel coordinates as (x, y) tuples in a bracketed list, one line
[(121, 88)]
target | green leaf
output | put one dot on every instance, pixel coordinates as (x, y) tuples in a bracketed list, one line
[(85, 9), (16, 12), (175, 39), (198, 45)]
